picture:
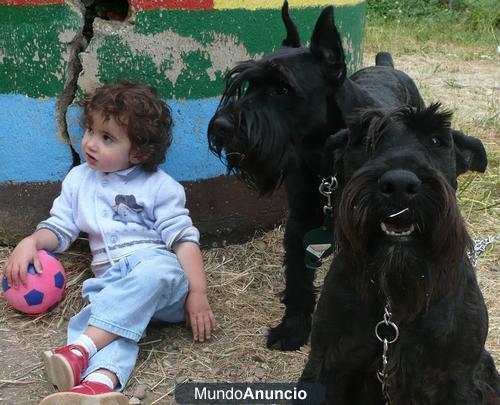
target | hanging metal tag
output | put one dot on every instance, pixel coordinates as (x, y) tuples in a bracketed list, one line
[(318, 245)]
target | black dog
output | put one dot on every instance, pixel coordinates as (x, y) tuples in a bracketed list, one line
[(402, 251), (271, 126)]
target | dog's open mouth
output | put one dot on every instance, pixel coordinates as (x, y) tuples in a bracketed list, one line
[(398, 224), (393, 229)]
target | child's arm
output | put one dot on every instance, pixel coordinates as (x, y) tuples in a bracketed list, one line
[(25, 253), (199, 313), (54, 234)]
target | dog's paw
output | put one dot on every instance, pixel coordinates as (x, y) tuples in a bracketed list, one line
[(291, 333)]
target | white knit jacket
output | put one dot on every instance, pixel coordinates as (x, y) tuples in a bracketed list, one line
[(121, 212)]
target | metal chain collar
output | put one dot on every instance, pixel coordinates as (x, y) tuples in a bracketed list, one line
[(383, 375), (326, 188), (318, 242), (480, 246)]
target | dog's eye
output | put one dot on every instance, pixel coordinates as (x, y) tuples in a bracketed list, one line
[(435, 141), (280, 90)]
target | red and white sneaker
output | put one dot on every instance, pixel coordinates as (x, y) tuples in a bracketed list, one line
[(87, 393), (63, 367)]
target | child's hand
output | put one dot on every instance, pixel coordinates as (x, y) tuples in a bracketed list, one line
[(200, 316), (17, 264)]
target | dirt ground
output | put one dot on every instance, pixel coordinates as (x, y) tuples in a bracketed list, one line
[(245, 280)]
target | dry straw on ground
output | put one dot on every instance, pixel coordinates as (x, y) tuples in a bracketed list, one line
[(246, 280)]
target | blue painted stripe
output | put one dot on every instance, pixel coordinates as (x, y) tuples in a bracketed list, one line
[(29, 148), (30, 152)]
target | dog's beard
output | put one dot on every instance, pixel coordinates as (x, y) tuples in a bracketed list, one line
[(404, 277), (258, 151), (411, 270)]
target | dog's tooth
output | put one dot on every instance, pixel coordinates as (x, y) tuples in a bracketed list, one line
[(409, 231), (384, 228)]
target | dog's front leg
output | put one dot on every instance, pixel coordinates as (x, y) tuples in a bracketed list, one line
[(299, 296)]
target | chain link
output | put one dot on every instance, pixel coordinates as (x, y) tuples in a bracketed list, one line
[(383, 375), (480, 246), (326, 188)]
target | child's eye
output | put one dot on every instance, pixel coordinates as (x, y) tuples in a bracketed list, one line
[(107, 139), (90, 130)]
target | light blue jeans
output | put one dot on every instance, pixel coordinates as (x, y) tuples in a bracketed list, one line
[(149, 284)]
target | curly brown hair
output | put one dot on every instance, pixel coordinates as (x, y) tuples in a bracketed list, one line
[(139, 110)]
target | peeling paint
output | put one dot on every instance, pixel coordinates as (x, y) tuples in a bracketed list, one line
[(226, 51), (31, 48), (74, 44), (89, 78), (349, 49), (164, 48), (66, 36)]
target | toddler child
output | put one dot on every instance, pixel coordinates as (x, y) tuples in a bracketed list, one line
[(146, 259)]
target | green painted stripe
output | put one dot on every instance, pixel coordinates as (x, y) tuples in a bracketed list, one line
[(31, 14), (257, 31), (32, 45)]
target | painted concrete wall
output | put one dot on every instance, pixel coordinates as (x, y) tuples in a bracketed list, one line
[(181, 47)]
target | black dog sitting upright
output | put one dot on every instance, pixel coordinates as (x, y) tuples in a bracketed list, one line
[(402, 252), (271, 125)]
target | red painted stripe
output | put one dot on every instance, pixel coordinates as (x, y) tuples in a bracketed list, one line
[(172, 4), (30, 2)]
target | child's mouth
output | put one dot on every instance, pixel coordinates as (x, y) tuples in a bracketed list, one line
[(90, 159)]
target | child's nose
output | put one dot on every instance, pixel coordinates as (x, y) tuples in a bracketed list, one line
[(91, 143)]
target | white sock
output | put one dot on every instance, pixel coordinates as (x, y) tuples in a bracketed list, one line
[(87, 343), (100, 378)]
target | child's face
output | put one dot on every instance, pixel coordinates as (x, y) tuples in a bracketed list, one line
[(106, 146)]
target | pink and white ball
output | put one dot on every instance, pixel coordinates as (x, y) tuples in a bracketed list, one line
[(43, 291)]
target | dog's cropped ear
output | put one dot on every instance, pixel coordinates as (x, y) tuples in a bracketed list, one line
[(470, 153), (333, 150), (292, 35), (326, 44)]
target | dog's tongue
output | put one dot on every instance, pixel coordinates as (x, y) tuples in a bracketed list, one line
[(394, 227), (398, 228)]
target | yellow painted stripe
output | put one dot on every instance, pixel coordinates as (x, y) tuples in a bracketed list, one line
[(263, 4)]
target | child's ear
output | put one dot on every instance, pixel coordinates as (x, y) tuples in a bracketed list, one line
[(135, 158)]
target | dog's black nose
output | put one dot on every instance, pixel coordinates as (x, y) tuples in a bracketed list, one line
[(221, 125), (399, 182)]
